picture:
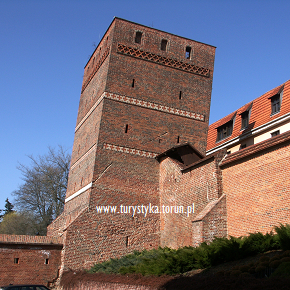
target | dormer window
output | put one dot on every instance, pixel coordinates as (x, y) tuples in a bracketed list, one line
[(245, 119), (163, 44), (245, 116), (225, 130), (275, 104), (138, 37)]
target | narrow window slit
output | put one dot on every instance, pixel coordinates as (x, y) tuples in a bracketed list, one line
[(187, 52), (180, 95), (133, 83), (126, 128), (127, 241), (163, 44), (46, 261), (138, 37), (178, 139), (16, 260)]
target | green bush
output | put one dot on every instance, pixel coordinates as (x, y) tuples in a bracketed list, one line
[(282, 271), (171, 262), (259, 243), (284, 236), (224, 250)]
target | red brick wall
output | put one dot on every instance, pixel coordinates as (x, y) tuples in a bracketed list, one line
[(32, 253), (199, 185), (161, 84), (212, 224), (96, 237), (257, 189)]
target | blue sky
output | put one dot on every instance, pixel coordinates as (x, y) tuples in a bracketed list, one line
[(44, 46)]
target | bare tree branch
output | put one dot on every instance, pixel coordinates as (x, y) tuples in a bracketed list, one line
[(44, 187)]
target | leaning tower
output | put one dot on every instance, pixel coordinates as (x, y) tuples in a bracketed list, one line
[(144, 91)]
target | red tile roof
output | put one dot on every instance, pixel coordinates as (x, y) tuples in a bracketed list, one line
[(260, 115)]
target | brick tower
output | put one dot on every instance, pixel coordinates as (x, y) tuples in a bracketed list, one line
[(144, 91)]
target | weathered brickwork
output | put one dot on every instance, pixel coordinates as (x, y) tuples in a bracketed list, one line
[(257, 188), (27, 259), (198, 185)]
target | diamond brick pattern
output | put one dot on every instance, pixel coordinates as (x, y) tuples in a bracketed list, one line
[(154, 106), (129, 150), (149, 56)]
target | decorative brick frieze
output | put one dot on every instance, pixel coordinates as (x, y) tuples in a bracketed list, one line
[(144, 104), (96, 68), (149, 56), (154, 106), (129, 150)]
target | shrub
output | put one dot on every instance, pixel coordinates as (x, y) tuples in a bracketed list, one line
[(275, 264), (282, 271), (284, 236), (259, 243), (224, 250), (171, 262), (244, 268)]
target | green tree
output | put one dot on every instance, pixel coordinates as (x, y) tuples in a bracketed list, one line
[(43, 192), (8, 208), (14, 223)]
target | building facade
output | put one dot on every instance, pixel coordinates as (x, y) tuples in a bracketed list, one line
[(240, 186)]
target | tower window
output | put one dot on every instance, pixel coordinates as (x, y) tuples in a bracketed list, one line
[(163, 44), (133, 83), (180, 95), (46, 262), (187, 52), (127, 241), (178, 139), (16, 260), (138, 37), (126, 128)]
